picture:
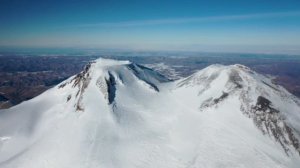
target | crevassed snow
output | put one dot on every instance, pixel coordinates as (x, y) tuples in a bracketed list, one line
[(144, 127)]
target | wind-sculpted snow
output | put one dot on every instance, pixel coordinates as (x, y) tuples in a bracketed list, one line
[(103, 86), (119, 114), (142, 73)]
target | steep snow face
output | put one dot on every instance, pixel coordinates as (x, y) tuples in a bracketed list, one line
[(274, 111), (120, 114)]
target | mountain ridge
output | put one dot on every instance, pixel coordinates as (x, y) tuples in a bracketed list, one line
[(120, 114)]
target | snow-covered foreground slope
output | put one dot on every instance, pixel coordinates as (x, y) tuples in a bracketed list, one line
[(118, 114)]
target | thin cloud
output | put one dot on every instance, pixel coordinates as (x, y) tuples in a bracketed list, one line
[(193, 19)]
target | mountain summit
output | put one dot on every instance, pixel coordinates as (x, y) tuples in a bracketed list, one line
[(119, 114)]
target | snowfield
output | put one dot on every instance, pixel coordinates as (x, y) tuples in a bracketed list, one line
[(117, 114)]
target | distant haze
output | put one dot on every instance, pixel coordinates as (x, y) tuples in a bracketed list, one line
[(264, 26)]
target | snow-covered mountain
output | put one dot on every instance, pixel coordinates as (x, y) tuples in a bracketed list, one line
[(117, 114)]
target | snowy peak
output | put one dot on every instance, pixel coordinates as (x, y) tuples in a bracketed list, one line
[(229, 79), (108, 75), (259, 99), (120, 114), (230, 75), (108, 63)]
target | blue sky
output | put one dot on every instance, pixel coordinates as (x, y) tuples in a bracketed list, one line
[(231, 25)]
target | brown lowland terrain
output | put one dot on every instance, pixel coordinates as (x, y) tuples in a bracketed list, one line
[(23, 78)]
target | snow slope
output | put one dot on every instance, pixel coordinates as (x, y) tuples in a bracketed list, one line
[(119, 114)]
